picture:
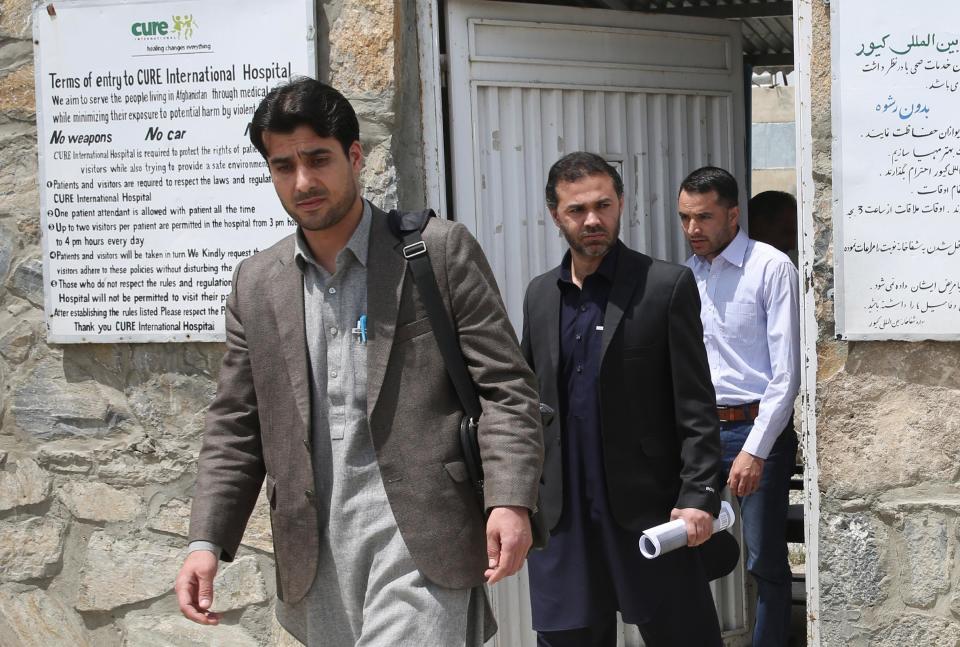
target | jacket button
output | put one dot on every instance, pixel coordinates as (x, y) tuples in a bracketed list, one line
[(308, 494), (306, 443)]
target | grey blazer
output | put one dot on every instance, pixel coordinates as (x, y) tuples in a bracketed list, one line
[(258, 426)]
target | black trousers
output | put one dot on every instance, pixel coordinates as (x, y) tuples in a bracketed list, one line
[(684, 619)]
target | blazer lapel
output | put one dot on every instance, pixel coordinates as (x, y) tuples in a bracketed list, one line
[(627, 277), (385, 272), (551, 320), (287, 302)]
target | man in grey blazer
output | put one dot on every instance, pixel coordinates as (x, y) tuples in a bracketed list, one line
[(333, 390)]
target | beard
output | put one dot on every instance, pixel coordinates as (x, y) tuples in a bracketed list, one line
[(593, 249), (334, 213)]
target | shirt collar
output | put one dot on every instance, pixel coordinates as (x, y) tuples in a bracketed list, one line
[(358, 244), (607, 268), (734, 253)]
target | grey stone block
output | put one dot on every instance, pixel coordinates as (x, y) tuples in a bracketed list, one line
[(27, 281), (172, 405), (143, 462), (852, 560), (14, 54), (30, 617), (92, 501), (173, 631), (913, 629), (881, 433), (379, 177), (23, 483), (30, 549), (925, 565), (238, 584), (173, 517), (15, 21), (16, 343), (6, 252), (124, 570), (47, 406)]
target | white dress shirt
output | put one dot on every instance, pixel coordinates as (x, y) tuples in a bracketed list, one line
[(751, 327)]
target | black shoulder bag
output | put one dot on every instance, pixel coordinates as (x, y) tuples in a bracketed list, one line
[(407, 226)]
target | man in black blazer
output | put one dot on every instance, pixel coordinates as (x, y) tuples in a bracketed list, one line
[(615, 339)]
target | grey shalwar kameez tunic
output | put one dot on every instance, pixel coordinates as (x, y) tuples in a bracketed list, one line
[(368, 591)]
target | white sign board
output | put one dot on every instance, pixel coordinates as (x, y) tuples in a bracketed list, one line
[(150, 189), (896, 168)]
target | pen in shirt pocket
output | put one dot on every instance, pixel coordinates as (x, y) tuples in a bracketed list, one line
[(360, 332)]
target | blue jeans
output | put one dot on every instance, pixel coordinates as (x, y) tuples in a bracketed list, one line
[(764, 518)]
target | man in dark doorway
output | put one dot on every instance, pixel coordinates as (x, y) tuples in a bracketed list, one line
[(773, 220), (615, 339)]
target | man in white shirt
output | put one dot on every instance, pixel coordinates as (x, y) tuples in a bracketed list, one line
[(750, 313)]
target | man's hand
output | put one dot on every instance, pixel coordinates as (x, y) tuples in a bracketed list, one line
[(508, 540), (699, 524), (194, 587), (745, 474)]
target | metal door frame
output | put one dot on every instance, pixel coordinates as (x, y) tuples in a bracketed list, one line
[(430, 63)]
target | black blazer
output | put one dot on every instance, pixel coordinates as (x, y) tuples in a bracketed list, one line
[(661, 435)]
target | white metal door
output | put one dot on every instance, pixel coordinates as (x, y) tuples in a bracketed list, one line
[(657, 96)]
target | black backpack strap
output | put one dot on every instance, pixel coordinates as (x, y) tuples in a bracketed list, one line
[(407, 226), (415, 251)]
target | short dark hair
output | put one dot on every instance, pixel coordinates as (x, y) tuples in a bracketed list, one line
[(305, 102), (770, 205), (711, 178), (572, 167)]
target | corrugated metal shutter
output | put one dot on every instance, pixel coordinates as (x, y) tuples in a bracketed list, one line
[(654, 138), (656, 96)]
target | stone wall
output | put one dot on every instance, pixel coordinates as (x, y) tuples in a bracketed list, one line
[(888, 443), (98, 443)]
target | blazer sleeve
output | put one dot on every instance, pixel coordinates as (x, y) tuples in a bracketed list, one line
[(231, 467), (698, 427), (525, 346), (510, 434)]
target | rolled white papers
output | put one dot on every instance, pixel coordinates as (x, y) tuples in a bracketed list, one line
[(673, 534)]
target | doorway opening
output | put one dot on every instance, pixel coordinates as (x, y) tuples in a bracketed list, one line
[(657, 87)]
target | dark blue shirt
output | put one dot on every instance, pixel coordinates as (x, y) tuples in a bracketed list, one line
[(581, 333)]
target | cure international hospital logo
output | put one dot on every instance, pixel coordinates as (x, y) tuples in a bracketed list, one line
[(180, 26)]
